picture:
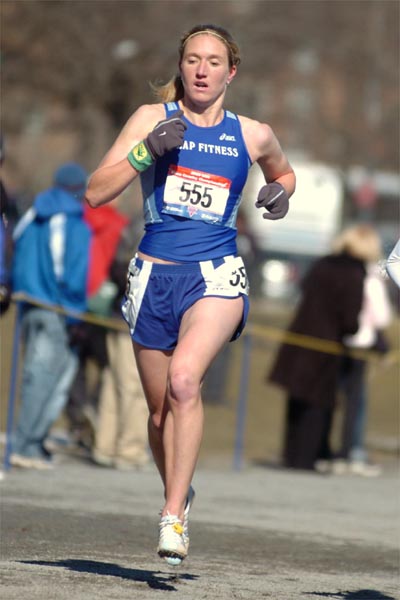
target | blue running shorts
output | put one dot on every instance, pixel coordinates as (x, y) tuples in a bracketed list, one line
[(158, 295)]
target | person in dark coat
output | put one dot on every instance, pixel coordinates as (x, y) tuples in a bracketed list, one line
[(332, 293)]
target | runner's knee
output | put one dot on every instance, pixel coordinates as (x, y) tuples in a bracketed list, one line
[(183, 386)]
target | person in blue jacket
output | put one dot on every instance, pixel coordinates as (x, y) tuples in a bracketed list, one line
[(50, 265), (187, 290)]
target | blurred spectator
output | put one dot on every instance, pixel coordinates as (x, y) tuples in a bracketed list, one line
[(332, 294), (106, 225), (393, 264), (50, 265), (121, 435), (375, 316), (9, 216)]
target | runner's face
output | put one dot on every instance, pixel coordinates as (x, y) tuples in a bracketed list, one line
[(205, 68)]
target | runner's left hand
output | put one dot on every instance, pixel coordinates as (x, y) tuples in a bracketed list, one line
[(274, 198)]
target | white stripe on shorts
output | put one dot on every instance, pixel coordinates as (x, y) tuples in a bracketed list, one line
[(137, 290)]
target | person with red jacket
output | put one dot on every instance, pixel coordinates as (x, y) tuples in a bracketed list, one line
[(106, 225)]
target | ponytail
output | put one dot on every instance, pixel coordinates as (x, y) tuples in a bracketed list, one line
[(172, 91)]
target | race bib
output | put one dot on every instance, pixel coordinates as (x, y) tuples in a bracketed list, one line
[(227, 280), (195, 194)]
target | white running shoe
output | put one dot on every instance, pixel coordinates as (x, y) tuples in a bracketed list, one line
[(172, 544), (26, 462), (174, 537), (340, 466), (364, 469)]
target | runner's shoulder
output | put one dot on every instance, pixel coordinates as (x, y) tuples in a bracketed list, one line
[(145, 118), (257, 135), (255, 129), (151, 110)]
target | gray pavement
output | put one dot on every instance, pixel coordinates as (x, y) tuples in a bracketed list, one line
[(82, 532)]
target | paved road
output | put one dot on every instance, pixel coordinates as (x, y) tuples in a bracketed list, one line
[(86, 533)]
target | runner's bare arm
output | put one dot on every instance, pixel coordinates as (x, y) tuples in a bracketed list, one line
[(115, 172), (265, 149)]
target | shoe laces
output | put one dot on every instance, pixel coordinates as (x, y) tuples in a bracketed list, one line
[(172, 535), (179, 527), (171, 522)]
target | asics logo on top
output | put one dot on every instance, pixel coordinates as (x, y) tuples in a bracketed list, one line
[(228, 138)]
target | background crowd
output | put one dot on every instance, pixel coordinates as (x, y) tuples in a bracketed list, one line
[(67, 259), (70, 259), (333, 96)]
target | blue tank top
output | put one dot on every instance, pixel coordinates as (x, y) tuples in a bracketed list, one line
[(192, 194)]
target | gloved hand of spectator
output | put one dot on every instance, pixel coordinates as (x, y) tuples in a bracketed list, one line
[(274, 198), (77, 334), (5, 297)]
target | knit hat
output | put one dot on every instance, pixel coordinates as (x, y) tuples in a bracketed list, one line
[(71, 177)]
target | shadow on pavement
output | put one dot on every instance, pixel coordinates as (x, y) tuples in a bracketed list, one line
[(154, 579), (354, 595)]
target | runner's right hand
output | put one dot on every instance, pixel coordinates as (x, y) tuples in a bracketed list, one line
[(166, 135)]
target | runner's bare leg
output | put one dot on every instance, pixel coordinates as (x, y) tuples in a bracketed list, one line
[(178, 410)]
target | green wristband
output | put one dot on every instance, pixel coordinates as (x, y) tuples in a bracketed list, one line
[(139, 157)]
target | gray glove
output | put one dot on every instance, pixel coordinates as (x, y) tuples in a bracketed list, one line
[(274, 198), (166, 135)]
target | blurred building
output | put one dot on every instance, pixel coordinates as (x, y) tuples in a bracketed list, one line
[(324, 74)]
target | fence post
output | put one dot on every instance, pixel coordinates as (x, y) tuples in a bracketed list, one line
[(13, 385), (242, 402)]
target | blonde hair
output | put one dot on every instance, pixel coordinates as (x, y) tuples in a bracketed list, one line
[(360, 241), (173, 90)]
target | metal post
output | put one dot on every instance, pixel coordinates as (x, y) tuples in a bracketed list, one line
[(242, 403), (13, 385)]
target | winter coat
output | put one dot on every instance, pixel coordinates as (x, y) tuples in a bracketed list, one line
[(51, 251), (331, 302), (106, 224), (376, 311)]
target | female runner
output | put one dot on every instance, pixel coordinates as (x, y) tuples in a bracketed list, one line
[(187, 291)]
